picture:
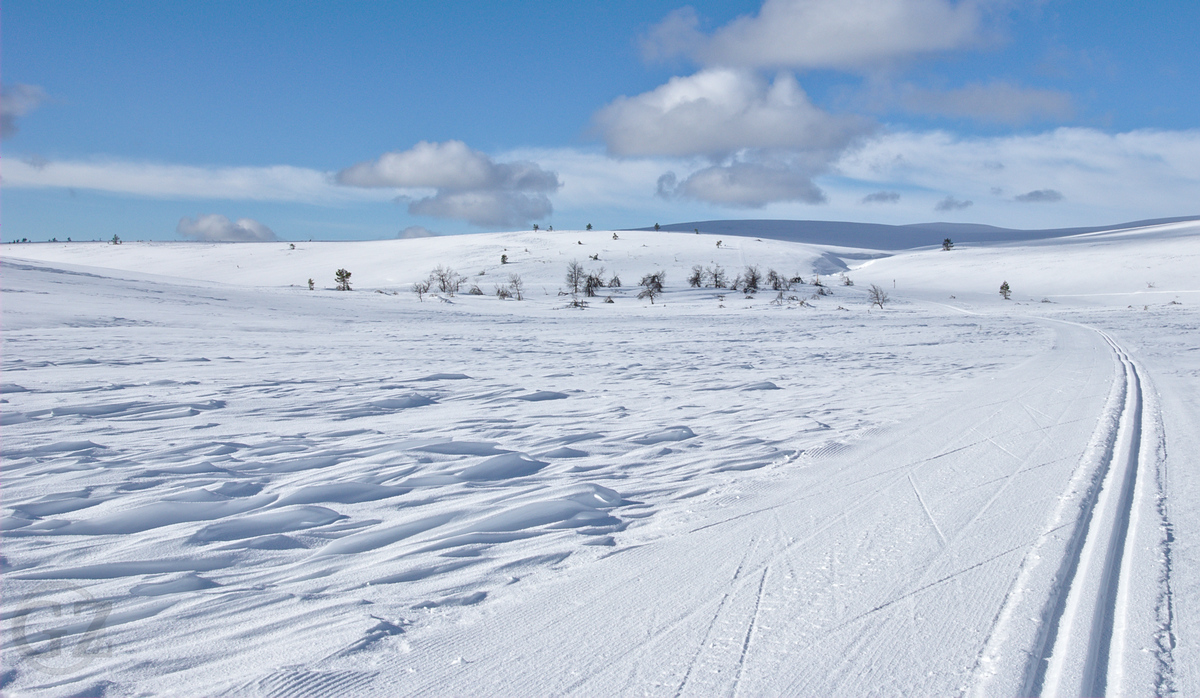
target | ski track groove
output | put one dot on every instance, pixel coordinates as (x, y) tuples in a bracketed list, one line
[(741, 668), (1071, 610), (928, 514)]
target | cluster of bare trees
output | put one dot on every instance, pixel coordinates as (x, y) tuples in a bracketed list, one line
[(590, 282), (750, 280), (446, 280)]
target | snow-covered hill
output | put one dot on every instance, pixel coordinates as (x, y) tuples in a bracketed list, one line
[(217, 481)]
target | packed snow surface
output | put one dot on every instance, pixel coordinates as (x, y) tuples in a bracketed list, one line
[(217, 481)]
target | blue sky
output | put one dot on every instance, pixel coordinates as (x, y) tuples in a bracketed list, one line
[(261, 120)]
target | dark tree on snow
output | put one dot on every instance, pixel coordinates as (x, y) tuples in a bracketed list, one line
[(877, 296), (652, 285), (751, 280), (575, 275), (1005, 290), (342, 277)]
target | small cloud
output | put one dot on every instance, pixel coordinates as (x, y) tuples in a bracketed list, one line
[(17, 100), (750, 185), (952, 204), (1038, 196), (214, 227), (667, 185), (415, 231), (882, 197), (484, 208), (469, 185), (808, 34)]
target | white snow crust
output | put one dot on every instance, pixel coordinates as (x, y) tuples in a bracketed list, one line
[(218, 482)]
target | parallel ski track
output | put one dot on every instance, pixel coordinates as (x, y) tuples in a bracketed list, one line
[(1079, 650)]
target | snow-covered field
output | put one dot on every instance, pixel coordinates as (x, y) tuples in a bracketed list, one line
[(216, 481)]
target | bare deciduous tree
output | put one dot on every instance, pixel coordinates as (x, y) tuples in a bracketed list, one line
[(751, 279), (593, 281), (652, 285), (421, 288), (575, 275), (716, 276), (877, 296)]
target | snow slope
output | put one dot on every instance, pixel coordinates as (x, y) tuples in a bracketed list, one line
[(218, 481)]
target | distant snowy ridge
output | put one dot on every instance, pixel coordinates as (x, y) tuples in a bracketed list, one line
[(879, 236)]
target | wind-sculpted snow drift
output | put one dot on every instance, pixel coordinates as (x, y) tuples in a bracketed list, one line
[(220, 482)]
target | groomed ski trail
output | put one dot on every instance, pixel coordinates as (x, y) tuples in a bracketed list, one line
[(1092, 634)]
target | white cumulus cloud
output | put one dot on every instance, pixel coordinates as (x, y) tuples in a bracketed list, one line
[(213, 227), (469, 185), (764, 140), (719, 112)]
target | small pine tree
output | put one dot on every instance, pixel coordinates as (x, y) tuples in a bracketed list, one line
[(115, 240), (947, 245), (656, 228), (535, 227), (589, 226), (342, 277), (1005, 291), (504, 259), (311, 284)]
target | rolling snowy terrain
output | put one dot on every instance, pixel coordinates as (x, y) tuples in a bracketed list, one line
[(217, 481)]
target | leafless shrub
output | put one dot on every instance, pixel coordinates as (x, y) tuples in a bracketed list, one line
[(652, 285), (877, 296), (575, 275), (446, 279)]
